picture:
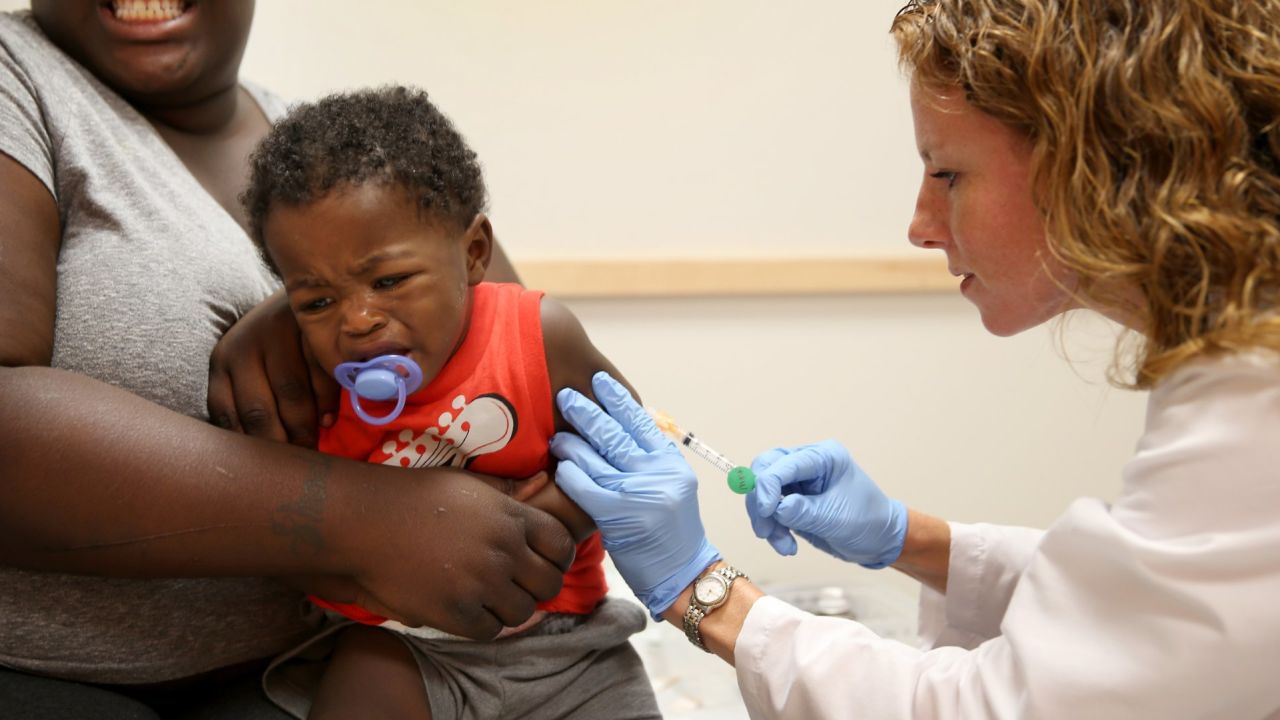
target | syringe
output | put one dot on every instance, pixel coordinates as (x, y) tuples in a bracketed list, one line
[(741, 480)]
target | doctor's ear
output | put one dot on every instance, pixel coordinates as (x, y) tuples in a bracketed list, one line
[(477, 242)]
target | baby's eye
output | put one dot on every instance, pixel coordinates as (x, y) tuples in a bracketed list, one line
[(388, 282), (315, 305)]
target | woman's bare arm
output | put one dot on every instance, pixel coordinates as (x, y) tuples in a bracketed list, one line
[(30, 237), (102, 482)]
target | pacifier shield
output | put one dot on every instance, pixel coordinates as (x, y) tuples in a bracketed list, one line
[(377, 383)]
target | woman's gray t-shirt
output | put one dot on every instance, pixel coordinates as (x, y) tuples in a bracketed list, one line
[(151, 272)]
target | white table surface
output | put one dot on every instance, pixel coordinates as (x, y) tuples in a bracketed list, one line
[(692, 685)]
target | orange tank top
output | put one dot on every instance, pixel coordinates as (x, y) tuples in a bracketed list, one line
[(489, 411)]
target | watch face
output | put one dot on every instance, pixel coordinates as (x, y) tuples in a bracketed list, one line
[(709, 590)]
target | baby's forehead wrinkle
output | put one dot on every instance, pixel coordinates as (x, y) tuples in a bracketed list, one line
[(379, 256)]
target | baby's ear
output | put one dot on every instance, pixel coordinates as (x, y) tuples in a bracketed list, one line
[(478, 244)]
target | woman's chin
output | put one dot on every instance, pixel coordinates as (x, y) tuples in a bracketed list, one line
[(1007, 324)]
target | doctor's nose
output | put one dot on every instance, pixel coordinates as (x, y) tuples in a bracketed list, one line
[(929, 224)]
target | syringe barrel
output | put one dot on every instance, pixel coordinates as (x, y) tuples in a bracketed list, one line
[(696, 447)]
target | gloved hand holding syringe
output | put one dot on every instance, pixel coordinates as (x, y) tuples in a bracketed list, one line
[(740, 479)]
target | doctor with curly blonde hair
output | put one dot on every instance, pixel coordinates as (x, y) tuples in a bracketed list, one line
[(1119, 157)]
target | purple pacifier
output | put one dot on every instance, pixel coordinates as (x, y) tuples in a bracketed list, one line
[(382, 378)]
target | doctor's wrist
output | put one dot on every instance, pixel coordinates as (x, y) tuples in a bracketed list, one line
[(720, 629), (926, 550)]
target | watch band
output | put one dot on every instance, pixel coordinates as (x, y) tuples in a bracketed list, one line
[(698, 610)]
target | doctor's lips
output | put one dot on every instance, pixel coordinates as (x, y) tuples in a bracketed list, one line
[(147, 11)]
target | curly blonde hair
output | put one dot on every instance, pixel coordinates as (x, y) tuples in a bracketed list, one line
[(1155, 127)]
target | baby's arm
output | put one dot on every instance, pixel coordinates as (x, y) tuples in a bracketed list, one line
[(571, 361)]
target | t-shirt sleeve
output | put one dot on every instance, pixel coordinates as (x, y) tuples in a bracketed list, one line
[(23, 133)]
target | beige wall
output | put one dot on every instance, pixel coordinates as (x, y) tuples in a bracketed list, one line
[(720, 128), (611, 127)]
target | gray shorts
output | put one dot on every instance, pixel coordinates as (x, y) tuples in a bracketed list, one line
[(557, 670)]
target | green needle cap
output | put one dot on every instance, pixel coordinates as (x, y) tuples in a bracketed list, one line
[(742, 480)]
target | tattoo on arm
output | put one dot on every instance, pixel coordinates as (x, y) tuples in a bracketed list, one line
[(299, 520)]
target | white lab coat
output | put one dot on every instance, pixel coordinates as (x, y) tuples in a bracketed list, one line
[(1165, 604)]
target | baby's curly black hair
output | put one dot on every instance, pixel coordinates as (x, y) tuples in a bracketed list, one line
[(390, 134)]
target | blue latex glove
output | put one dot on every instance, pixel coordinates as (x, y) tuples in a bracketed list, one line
[(821, 494), (633, 481), (768, 528)]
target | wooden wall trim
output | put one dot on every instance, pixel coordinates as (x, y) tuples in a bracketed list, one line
[(720, 277)]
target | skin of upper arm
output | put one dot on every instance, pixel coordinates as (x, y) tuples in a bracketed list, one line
[(571, 357), (30, 237), (571, 361)]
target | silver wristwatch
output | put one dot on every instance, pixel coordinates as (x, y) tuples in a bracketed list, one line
[(709, 592)]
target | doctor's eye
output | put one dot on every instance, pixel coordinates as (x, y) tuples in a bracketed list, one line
[(947, 175)]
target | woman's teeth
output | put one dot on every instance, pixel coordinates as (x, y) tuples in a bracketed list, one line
[(148, 10)]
